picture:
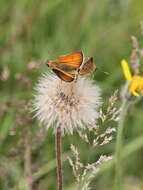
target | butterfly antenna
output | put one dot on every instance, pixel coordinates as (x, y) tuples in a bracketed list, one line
[(105, 72)]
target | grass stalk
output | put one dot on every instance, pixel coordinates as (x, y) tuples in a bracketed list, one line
[(119, 145), (27, 161)]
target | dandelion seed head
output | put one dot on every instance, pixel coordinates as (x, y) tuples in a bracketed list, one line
[(71, 105)]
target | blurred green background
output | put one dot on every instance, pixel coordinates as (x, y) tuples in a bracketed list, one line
[(32, 31)]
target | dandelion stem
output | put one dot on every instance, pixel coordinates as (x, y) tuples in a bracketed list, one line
[(58, 158), (124, 109)]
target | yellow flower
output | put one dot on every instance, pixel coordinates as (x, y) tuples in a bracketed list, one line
[(136, 81)]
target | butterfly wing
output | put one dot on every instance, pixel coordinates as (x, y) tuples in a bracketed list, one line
[(88, 67), (72, 61), (65, 76)]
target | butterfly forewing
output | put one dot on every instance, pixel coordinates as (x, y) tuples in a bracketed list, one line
[(72, 61)]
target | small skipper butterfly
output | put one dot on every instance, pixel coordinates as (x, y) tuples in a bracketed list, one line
[(69, 66)]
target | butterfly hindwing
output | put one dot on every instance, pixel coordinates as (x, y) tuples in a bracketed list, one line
[(88, 67)]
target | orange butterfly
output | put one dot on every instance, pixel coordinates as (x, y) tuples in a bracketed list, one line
[(69, 66)]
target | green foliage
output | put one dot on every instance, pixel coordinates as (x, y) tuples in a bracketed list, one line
[(38, 30)]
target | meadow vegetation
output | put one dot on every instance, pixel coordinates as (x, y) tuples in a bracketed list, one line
[(32, 32)]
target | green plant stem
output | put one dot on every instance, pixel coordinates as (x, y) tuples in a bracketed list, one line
[(58, 158), (119, 144)]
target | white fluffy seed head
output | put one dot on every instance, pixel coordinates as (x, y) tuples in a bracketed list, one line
[(71, 105)]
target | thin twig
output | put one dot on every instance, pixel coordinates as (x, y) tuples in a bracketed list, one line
[(58, 158)]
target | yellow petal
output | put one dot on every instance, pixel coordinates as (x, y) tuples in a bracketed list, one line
[(135, 85), (126, 70), (142, 91), (134, 93)]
